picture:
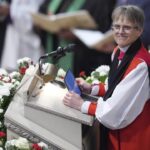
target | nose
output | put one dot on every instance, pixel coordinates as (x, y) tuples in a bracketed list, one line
[(121, 30)]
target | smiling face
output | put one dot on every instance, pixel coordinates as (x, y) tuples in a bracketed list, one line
[(125, 32)]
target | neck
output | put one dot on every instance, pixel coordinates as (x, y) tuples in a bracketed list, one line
[(124, 49)]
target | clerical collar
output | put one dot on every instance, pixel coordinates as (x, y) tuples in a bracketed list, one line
[(124, 49)]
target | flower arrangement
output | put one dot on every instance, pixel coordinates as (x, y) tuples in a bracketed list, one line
[(24, 144), (100, 74), (23, 64), (8, 85), (60, 75)]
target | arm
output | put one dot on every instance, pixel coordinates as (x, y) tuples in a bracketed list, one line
[(125, 104), (73, 100), (127, 100)]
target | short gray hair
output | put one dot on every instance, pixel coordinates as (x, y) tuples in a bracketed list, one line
[(132, 12)]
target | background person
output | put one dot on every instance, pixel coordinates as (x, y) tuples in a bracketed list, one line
[(101, 12), (21, 40)]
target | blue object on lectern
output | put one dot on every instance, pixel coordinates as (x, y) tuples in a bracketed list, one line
[(71, 83)]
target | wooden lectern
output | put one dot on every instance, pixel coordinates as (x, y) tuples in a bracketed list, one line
[(38, 114)]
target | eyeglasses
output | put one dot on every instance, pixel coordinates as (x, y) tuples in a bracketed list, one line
[(125, 28)]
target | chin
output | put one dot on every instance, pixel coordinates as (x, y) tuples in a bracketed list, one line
[(122, 44)]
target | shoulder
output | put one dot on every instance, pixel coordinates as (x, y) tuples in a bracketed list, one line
[(141, 61), (144, 55)]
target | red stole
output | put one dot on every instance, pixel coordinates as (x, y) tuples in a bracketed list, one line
[(135, 136)]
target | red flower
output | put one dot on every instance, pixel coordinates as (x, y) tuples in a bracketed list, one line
[(2, 134), (36, 147), (22, 70), (82, 74)]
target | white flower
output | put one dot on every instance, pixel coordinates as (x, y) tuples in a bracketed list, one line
[(61, 73), (1, 111), (103, 70), (43, 145), (88, 78), (23, 60), (11, 142), (1, 99), (93, 78), (99, 75), (14, 74), (22, 143), (1, 82), (6, 79), (4, 90), (3, 72), (95, 81), (1, 148), (103, 73), (9, 85), (13, 81), (16, 83)]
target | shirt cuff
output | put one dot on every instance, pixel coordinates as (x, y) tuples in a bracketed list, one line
[(85, 107)]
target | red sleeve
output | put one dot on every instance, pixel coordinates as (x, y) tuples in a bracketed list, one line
[(101, 89), (92, 108)]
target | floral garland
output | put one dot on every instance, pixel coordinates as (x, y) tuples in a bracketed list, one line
[(23, 64), (24, 144), (60, 75), (8, 85), (99, 75)]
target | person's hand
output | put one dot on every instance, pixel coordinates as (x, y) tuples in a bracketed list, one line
[(73, 100), (84, 86)]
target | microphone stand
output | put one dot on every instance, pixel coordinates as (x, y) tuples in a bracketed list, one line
[(60, 52)]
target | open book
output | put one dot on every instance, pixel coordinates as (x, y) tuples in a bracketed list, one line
[(92, 38), (54, 23)]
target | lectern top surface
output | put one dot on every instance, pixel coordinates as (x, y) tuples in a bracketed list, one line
[(49, 99)]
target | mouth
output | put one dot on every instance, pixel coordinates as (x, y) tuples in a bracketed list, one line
[(121, 37)]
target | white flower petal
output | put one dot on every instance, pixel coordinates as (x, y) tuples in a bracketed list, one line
[(4, 90)]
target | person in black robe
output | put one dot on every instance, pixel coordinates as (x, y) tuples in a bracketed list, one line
[(86, 59)]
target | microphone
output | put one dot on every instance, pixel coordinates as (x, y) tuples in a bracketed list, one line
[(56, 54), (60, 51)]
